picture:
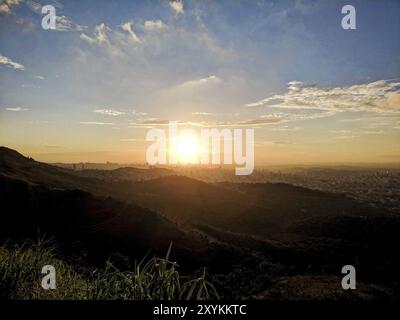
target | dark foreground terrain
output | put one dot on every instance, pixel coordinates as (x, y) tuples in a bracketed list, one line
[(256, 240)]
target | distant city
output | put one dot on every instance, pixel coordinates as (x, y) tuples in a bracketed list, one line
[(376, 185)]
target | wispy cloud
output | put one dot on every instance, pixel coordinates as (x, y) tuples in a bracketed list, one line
[(287, 128), (95, 123), (264, 120), (138, 113), (140, 42), (195, 92), (52, 146), (127, 26), (154, 121), (34, 6), (100, 35), (17, 109), (7, 5), (109, 112), (378, 96), (210, 80), (199, 113), (63, 23), (147, 123), (177, 6), (251, 122), (154, 25), (10, 63)]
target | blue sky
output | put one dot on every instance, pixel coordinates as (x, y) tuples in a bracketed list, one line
[(114, 68)]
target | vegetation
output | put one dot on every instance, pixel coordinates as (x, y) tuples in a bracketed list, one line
[(151, 279)]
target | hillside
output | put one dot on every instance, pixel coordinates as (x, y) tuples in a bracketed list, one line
[(252, 237), (263, 209), (125, 174), (36, 196)]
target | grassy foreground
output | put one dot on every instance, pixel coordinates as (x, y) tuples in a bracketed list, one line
[(151, 279)]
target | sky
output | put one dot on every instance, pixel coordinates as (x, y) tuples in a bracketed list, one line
[(313, 91)]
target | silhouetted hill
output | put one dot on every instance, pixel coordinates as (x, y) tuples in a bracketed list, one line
[(284, 206), (17, 166), (264, 209), (36, 196), (125, 174), (188, 199), (102, 223)]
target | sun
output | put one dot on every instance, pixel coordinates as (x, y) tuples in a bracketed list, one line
[(187, 148)]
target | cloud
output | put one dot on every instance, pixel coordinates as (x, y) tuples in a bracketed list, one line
[(153, 24), (138, 113), (287, 128), (379, 96), (247, 123), (123, 43), (65, 24), (17, 109), (127, 26), (87, 38), (177, 6), (10, 63), (51, 146), (97, 123), (199, 113), (6, 5), (210, 80), (196, 93), (109, 112), (391, 101), (34, 6), (264, 120), (100, 35), (148, 123), (154, 121)]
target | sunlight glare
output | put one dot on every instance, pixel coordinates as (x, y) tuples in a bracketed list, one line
[(187, 148)]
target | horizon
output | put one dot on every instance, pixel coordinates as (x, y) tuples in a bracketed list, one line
[(364, 165)]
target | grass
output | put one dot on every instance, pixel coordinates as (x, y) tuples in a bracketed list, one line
[(151, 279)]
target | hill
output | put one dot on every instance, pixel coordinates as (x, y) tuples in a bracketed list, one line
[(36, 196), (253, 237), (125, 174)]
